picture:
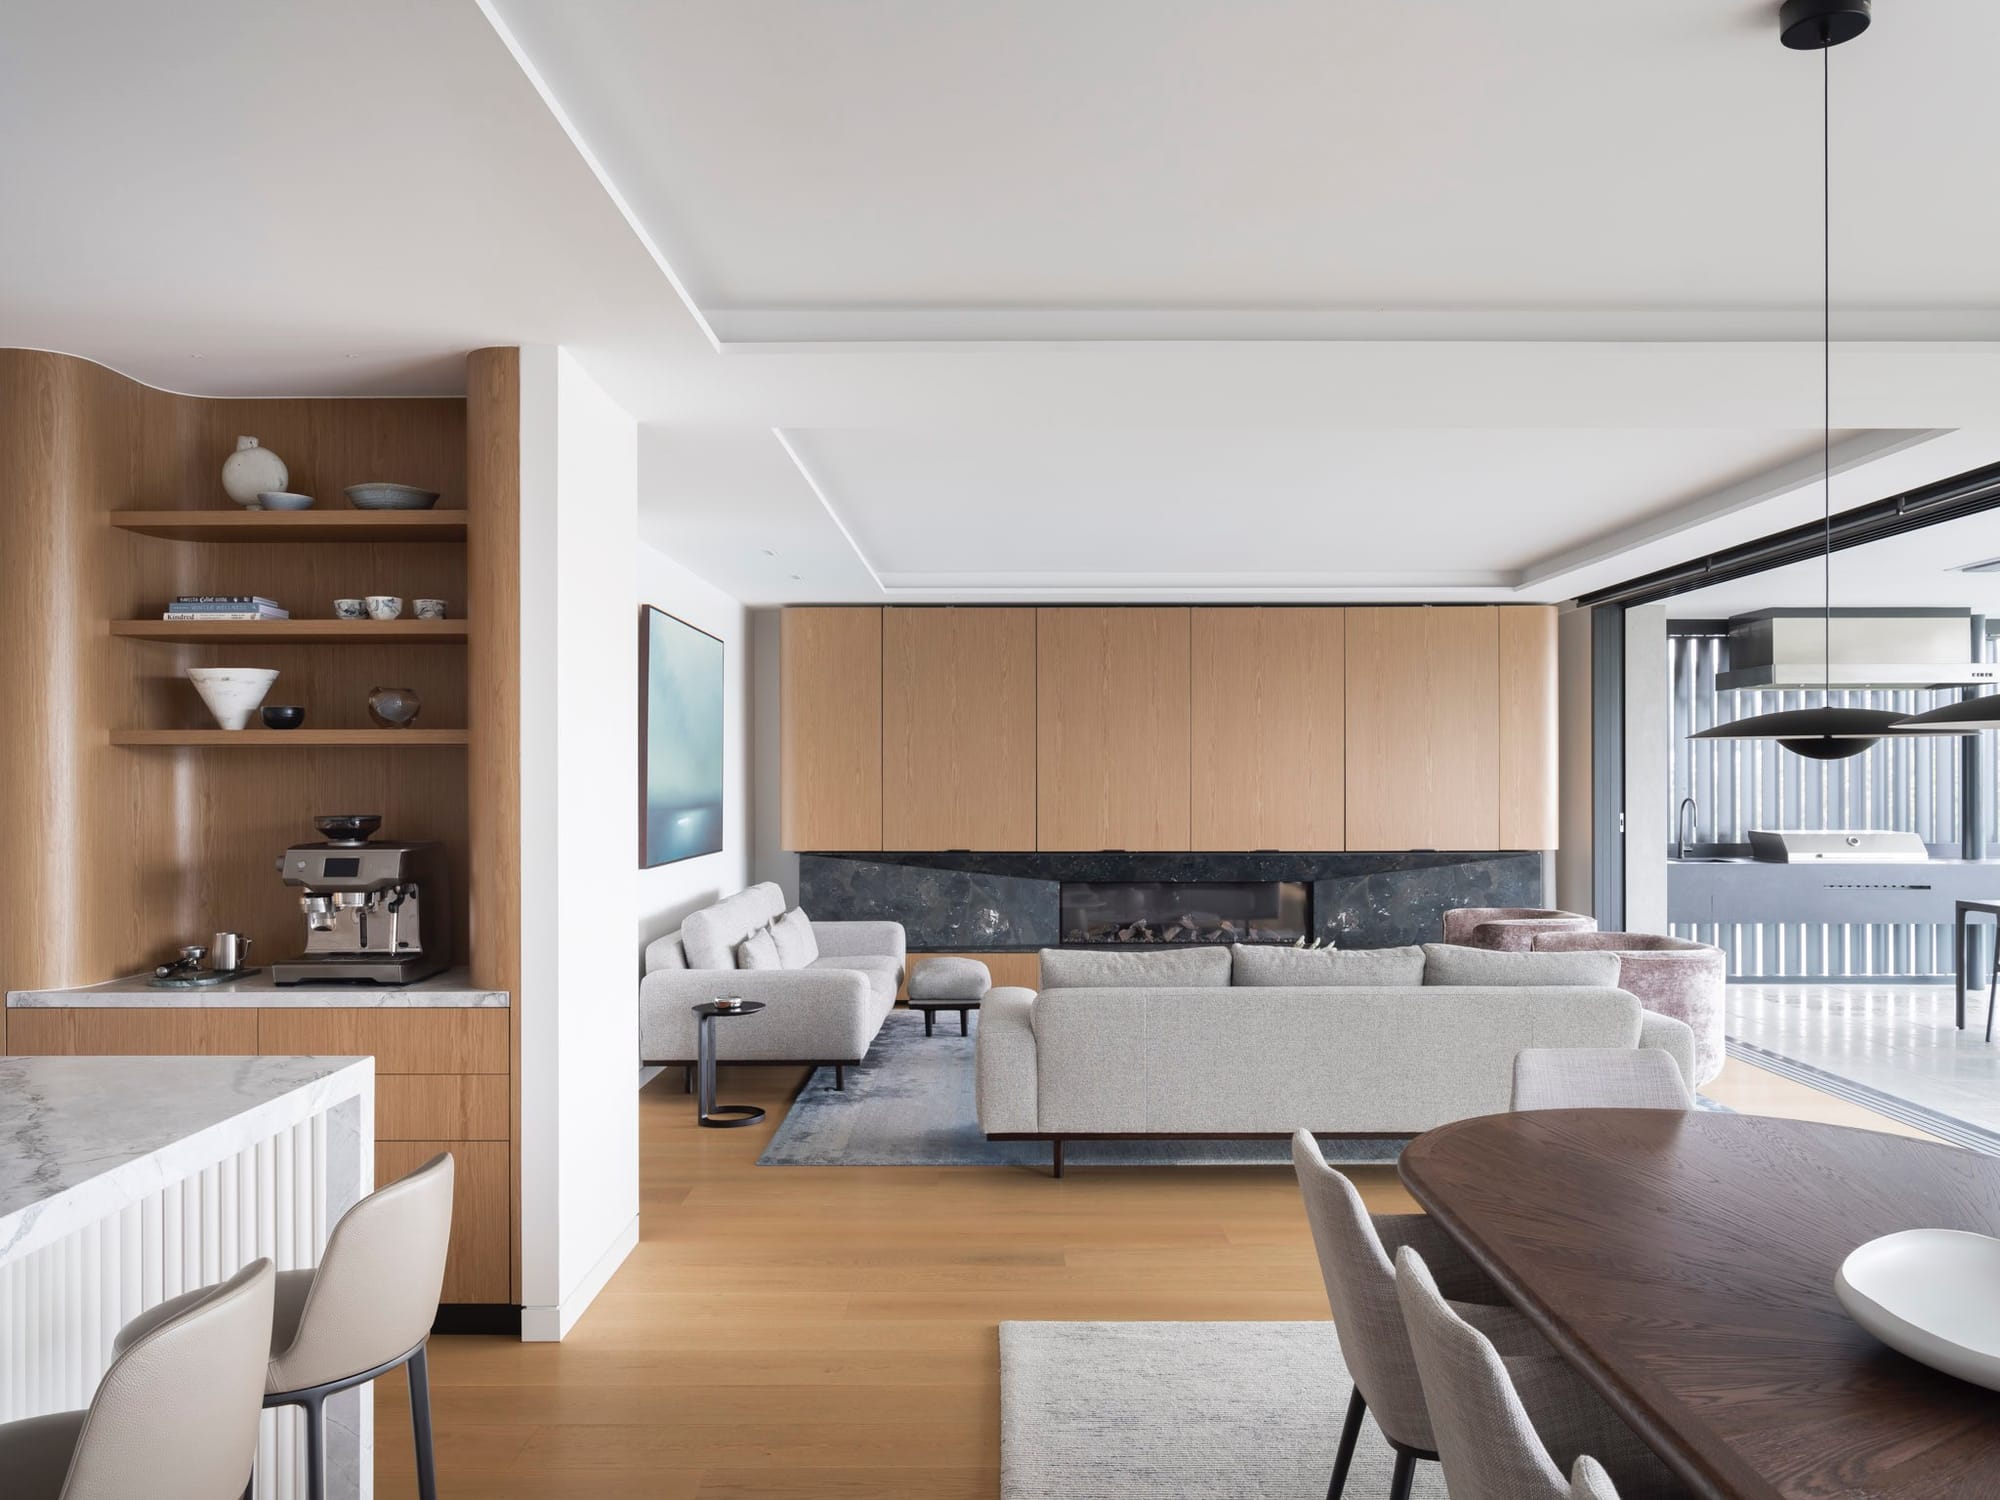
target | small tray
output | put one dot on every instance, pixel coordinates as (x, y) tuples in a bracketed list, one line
[(204, 979)]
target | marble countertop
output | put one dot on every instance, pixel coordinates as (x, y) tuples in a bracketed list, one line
[(82, 1137), (453, 989)]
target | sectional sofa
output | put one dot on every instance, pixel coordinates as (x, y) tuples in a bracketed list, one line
[(1219, 1042), (825, 1011)]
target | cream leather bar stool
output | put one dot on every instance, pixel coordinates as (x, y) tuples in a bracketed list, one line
[(366, 1309), (174, 1418)]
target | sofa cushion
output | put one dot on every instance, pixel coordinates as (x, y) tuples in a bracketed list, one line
[(758, 951), (709, 937), (1447, 963), (1264, 966), (1202, 968), (793, 933), (884, 971)]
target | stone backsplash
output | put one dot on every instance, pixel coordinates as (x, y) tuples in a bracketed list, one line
[(998, 901)]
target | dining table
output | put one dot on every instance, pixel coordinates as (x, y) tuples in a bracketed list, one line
[(1684, 1265)]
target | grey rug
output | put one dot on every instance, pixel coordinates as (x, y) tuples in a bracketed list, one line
[(1181, 1411), (910, 1104)]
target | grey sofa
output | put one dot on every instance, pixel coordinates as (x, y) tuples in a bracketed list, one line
[(1214, 1059), (826, 1013)]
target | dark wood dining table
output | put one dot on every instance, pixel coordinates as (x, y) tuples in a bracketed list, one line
[(1684, 1264)]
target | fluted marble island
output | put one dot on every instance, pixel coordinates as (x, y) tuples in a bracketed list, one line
[(128, 1180)]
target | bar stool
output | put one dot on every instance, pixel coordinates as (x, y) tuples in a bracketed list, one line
[(174, 1418), (366, 1309)]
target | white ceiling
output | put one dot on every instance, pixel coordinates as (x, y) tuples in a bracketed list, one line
[(1453, 300)]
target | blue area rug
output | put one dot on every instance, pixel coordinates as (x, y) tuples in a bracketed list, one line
[(910, 1104)]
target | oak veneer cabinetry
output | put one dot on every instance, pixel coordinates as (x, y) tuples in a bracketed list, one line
[(1527, 732), (1269, 741), (958, 728), (1423, 709), (830, 729), (1113, 693)]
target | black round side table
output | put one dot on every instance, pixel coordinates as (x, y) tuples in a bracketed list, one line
[(719, 1116)]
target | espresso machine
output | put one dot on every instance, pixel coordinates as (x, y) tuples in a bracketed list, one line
[(375, 913)]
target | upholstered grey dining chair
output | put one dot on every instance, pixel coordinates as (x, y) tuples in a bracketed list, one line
[(1598, 1078), (1588, 1481), (175, 1416), (367, 1308), (1505, 1425), (1354, 1248)]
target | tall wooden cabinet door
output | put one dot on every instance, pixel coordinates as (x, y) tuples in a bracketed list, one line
[(1112, 728), (830, 729), (958, 728), (1423, 705), (1527, 726), (1269, 689)]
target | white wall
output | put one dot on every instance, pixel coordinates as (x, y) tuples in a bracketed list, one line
[(769, 859), (667, 893), (579, 841), (1648, 730)]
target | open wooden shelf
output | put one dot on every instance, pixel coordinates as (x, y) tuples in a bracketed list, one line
[(307, 738), (295, 525), (296, 632)]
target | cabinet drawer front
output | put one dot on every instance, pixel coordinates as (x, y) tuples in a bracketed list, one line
[(400, 1041), (119, 1031), (441, 1107), (480, 1267)]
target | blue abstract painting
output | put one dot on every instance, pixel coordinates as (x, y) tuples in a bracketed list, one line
[(680, 753)]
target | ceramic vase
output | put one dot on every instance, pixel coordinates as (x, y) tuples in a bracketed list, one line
[(232, 693), (394, 707), (251, 470)]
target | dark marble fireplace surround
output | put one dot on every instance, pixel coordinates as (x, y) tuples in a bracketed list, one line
[(995, 902)]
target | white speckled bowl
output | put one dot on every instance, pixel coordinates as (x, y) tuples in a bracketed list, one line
[(232, 693), (1930, 1294), (390, 497), (283, 500)]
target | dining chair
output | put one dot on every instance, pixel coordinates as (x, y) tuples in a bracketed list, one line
[(175, 1416), (367, 1308), (1598, 1078), (1504, 1425), (1588, 1481), (1354, 1248)]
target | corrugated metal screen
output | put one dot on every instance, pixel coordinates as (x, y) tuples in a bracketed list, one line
[(1909, 785)]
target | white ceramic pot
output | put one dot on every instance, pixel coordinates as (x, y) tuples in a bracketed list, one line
[(232, 694), (251, 470)]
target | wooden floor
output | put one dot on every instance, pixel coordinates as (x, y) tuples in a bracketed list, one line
[(795, 1332)]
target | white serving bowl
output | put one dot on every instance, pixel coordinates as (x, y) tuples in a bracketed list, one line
[(284, 500), (232, 694), (1933, 1294)]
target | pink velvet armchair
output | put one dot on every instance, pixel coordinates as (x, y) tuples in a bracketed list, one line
[(1669, 975), (1512, 928)]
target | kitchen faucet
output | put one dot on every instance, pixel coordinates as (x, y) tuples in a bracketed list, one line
[(1686, 816)]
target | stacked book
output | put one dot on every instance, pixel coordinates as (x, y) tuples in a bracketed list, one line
[(225, 607)]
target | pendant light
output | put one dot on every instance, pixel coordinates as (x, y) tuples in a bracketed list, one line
[(1967, 716), (1826, 733)]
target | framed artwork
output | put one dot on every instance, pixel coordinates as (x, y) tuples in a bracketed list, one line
[(680, 740)]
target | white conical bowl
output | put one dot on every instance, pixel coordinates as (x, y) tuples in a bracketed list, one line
[(232, 694)]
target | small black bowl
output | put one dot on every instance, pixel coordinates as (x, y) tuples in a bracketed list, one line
[(284, 716), (348, 828)]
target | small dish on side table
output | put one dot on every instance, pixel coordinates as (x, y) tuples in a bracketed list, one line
[(1929, 1294)]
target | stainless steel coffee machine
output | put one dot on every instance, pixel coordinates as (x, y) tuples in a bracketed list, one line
[(375, 913)]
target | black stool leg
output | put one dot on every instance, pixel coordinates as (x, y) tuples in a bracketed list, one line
[(420, 1423), (840, 1077), (964, 1024), (314, 1407), (687, 1079), (1406, 1470), (930, 1019), (1349, 1431)]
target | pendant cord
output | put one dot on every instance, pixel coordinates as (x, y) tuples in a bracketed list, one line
[(1826, 350)]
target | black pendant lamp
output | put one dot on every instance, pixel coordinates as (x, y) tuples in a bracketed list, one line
[(1967, 716), (1820, 733)]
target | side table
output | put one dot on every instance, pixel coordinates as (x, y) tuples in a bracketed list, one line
[(708, 1112)]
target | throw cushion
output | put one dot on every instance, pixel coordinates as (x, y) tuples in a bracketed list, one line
[(1260, 966), (1203, 968), (758, 951), (1446, 963), (793, 933)]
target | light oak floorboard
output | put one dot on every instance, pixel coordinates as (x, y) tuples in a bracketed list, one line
[(831, 1333)]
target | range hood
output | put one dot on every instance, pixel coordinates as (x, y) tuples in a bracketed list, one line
[(1787, 649)]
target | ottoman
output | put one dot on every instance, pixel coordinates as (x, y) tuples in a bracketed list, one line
[(947, 983), (1511, 929)]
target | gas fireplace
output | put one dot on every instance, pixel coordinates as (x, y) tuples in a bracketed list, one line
[(1108, 913)]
